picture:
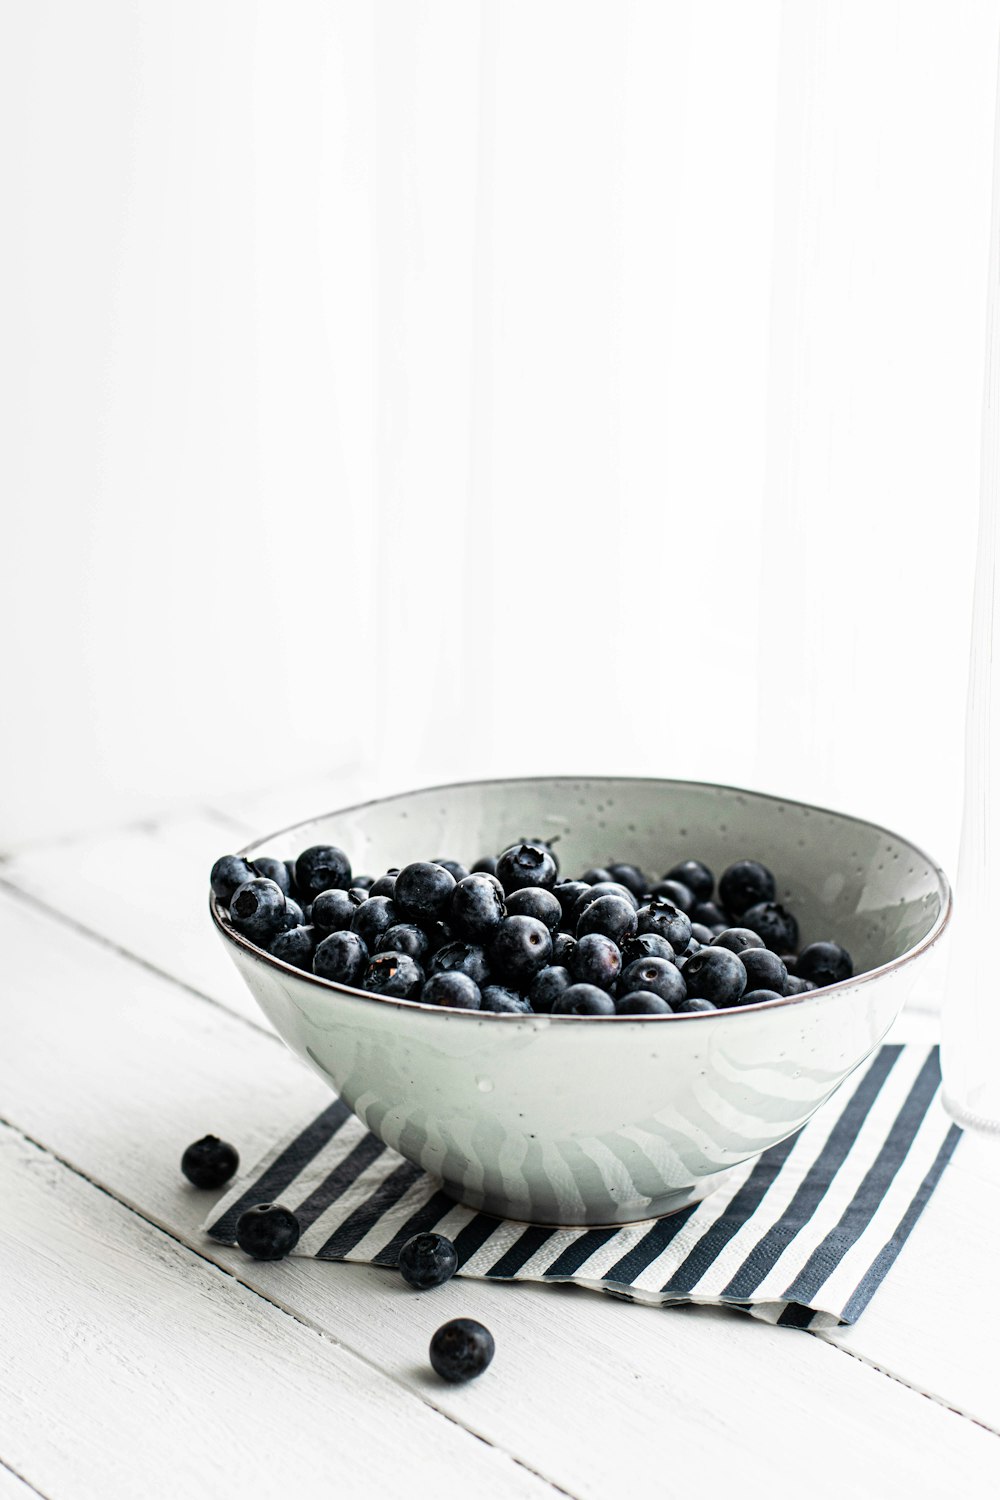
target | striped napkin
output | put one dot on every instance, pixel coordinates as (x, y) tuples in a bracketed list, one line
[(802, 1236)]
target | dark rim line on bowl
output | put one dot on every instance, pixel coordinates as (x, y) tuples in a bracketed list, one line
[(926, 942)]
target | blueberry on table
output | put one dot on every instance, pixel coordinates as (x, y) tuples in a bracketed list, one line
[(533, 901), (776, 926), (612, 916), (824, 963), (341, 957), (384, 885), (498, 997), (461, 958), (737, 939), (372, 918), (758, 997), (526, 864), (677, 893), (405, 937), (267, 1231), (584, 1000), (697, 877), (455, 870), (647, 945), (658, 976), (595, 960), (631, 877), (209, 1163), (667, 921), (274, 869), (323, 867), (477, 907), (333, 911), (228, 873), (746, 883), (642, 1003), (427, 1260), (452, 989), (423, 891), (461, 1349), (522, 946), (715, 974), (257, 910), (393, 975), (765, 970), (295, 945), (547, 985)]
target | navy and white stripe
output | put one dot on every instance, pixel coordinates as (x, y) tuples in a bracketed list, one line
[(801, 1236)]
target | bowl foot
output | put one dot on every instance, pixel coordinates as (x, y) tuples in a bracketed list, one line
[(604, 1216)]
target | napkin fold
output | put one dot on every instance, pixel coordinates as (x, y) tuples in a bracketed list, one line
[(802, 1235)]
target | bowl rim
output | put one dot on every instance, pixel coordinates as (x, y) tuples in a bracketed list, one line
[(531, 1018)]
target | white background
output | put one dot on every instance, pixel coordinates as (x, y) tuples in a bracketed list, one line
[(447, 389)]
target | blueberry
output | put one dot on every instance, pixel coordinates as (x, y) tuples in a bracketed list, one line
[(209, 1163), (477, 907), (604, 888), (694, 1004), (609, 915), (485, 866), (563, 944), (736, 939), (404, 937), (427, 1260), (715, 974), (455, 870), (746, 883), (439, 935), (631, 877), (568, 894), (461, 1349), (498, 997), (395, 975), (385, 885), (824, 963), (333, 911), (642, 1003), (532, 901), (667, 921), (362, 882), (294, 915), (675, 892), (657, 975), (423, 892), (595, 960), (707, 914), (228, 873), (583, 1000), (697, 877), (598, 877), (274, 869), (323, 867), (373, 918), (796, 986), (757, 997), (461, 958), (342, 958), (774, 924), (765, 970), (647, 945), (453, 989), (296, 946), (257, 909), (267, 1231), (547, 986), (522, 946), (702, 933), (526, 864)]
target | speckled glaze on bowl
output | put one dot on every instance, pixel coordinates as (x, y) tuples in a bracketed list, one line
[(606, 1120)]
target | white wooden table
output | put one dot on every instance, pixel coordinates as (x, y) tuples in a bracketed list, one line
[(138, 1359)]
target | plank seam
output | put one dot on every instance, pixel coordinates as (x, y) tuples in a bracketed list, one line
[(959, 1411), (303, 1322), (26, 1482)]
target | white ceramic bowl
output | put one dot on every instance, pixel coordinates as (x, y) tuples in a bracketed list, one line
[(605, 1120)]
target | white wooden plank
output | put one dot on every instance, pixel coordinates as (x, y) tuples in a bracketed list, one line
[(142, 1369), (13, 1488), (595, 1394)]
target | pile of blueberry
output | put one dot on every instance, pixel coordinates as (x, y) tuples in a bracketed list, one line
[(510, 935), (460, 1349)]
